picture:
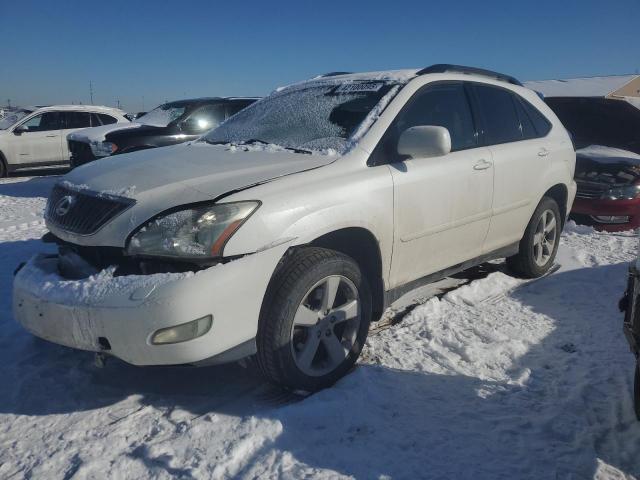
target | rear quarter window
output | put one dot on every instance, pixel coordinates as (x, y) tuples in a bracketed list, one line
[(106, 119)]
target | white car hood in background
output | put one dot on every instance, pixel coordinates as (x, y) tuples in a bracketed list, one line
[(98, 134), (163, 178)]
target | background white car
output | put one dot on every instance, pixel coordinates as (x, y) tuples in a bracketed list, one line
[(35, 137)]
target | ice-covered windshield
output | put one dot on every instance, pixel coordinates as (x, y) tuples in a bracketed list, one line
[(11, 118), (319, 116), (162, 116)]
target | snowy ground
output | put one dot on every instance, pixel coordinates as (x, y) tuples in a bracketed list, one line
[(496, 379)]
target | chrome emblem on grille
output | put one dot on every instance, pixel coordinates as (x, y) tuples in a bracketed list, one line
[(64, 205)]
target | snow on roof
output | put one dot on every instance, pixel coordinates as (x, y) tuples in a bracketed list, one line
[(580, 87), (81, 108), (398, 76)]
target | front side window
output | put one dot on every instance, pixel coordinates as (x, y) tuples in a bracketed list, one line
[(44, 122), (498, 111), (444, 105), (163, 115), (204, 118), (320, 116)]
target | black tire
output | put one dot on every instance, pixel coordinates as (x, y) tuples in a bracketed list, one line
[(636, 391), (290, 286), (3, 167), (524, 262)]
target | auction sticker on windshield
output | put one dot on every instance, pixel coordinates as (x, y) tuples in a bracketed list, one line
[(359, 87)]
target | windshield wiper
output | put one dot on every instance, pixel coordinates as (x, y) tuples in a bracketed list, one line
[(253, 141)]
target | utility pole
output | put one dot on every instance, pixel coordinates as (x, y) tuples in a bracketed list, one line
[(91, 91), (118, 103), (9, 102)]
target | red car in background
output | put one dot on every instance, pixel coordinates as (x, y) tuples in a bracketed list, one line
[(608, 177), (608, 196)]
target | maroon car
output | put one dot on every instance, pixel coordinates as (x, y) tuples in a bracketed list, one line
[(608, 196)]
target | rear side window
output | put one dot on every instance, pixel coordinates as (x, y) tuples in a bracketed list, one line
[(526, 125), (77, 119), (499, 115), (541, 124), (106, 119)]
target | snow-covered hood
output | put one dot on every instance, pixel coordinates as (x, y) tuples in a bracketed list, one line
[(164, 178), (98, 134)]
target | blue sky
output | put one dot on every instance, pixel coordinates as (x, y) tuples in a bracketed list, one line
[(170, 50)]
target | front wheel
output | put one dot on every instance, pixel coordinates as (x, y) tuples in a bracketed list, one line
[(539, 245), (315, 320)]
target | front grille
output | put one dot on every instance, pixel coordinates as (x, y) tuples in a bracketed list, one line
[(82, 211), (80, 153), (590, 190)]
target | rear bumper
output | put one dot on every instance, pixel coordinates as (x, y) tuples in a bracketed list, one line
[(587, 211), (127, 310)]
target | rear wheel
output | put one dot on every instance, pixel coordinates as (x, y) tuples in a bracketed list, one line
[(3, 167), (539, 245), (315, 321)]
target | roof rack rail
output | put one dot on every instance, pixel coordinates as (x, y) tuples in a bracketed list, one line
[(445, 67), (333, 74)]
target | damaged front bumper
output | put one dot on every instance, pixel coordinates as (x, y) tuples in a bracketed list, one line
[(118, 315)]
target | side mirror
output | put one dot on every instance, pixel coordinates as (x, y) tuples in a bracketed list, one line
[(20, 129), (424, 141)]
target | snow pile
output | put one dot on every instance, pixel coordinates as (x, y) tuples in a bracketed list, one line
[(42, 279), (501, 378)]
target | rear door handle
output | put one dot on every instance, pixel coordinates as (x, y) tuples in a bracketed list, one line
[(482, 165), (51, 136), (543, 152)]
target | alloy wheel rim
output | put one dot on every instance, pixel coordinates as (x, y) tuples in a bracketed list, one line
[(325, 326), (544, 239)]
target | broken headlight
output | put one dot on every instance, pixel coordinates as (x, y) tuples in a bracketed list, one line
[(627, 192), (198, 233)]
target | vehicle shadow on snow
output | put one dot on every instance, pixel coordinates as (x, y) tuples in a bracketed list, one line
[(380, 421), (33, 187)]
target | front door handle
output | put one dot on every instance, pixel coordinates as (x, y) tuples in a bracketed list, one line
[(482, 165), (51, 136)]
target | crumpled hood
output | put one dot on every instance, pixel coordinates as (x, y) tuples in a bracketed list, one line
[(606, 165), (210, 169), (98, 134), (163, 178)]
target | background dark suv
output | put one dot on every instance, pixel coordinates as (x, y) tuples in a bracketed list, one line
[(168, 124)]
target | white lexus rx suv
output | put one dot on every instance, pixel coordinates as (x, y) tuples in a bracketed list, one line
[(285, 231)]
